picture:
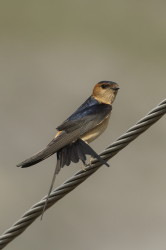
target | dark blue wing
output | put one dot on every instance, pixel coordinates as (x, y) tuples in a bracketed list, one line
[(87, 116)]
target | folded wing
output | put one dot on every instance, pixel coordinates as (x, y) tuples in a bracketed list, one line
[(83, 120)]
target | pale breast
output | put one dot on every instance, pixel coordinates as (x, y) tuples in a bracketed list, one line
[(95, 132)]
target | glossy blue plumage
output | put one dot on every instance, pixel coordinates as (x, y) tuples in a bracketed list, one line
[(90, 110)]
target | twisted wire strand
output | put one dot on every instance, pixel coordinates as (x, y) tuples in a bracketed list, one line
[(35, 211)]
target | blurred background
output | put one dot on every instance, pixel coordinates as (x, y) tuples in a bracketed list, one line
[(51, 55)]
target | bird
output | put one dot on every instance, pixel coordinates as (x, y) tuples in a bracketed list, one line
[(71, 142)]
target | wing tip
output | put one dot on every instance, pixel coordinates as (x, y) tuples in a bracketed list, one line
[(22, 165)]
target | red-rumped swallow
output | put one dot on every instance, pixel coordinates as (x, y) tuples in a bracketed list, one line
[(90, 120)]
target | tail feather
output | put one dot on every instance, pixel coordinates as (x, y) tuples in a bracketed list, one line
[(64, 156), (74, 155), (80, 153), (71, 153), (56, 171), (75, 152), (63, 160)]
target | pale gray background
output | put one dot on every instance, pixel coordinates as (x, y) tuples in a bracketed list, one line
[(51, 55)]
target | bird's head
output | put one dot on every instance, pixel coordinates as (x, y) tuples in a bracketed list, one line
[(105, 91)]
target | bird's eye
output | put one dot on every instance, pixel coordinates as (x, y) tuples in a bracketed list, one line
[(104, 86)]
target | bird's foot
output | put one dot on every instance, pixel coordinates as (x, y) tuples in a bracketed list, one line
[(85, 165), (90, 161)]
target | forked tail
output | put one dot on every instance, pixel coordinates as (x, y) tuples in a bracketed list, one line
[(72, 153)]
